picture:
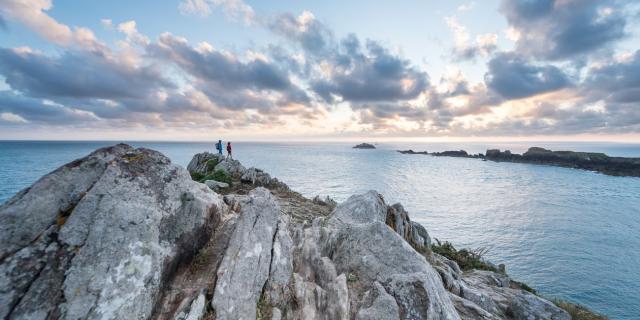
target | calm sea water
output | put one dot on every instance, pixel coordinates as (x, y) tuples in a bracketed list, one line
[(571, 234)]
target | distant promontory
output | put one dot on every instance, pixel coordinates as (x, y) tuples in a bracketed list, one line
[(592, 161)]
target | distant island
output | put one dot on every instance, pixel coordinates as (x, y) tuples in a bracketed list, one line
[(592, 161), (364, 146)]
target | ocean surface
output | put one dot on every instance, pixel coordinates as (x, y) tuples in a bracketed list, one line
[(568, 233)]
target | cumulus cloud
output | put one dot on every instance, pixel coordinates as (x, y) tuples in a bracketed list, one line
[(233, 9), (32, 14), (513, 77), (76, 74), (560, 29), (19, 108), (466, 49), (234, 83), (371, 75)]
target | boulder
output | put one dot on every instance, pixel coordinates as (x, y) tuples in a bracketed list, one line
[(364, 146), (203, 163), (98, 238), (232, 167), (216, 185)]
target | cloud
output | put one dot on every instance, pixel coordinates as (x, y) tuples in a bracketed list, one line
[(18, 108), (32, 14), (561, 29), (617, 82), (312, 35), (227, 79), (235, 10), (464, 48), (77, 74), (3, 23), (513, 77)]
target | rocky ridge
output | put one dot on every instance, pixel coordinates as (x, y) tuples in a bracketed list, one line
[(125, 234), (598, 162)]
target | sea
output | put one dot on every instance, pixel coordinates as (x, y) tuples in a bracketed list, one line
[(570, 234)]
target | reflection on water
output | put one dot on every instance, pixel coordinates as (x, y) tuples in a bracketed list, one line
[(569, 233)]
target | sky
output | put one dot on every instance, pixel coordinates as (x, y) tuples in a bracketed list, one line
[(320, 70)]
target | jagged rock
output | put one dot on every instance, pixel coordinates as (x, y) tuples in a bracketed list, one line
[(232, 167), (200, 163), (247, 260), (382, 305), (528, 306), (216, 185), (256, 177), (97, 238), (327, 201)]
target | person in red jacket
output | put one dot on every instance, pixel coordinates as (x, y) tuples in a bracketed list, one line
[(229, 151)]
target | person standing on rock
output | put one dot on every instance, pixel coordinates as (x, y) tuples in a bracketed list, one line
[(229, 156), (219, 147)]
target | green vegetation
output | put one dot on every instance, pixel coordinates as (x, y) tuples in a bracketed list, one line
[(352, 277), (196, 176), (578, 312), (525, 287), (218, 175), (211, 164), (466, 259)]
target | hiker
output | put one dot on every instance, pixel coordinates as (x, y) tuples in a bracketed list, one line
[(219, 147), (229, 156)]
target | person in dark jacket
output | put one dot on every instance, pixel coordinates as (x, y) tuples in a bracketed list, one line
[(229, 156)]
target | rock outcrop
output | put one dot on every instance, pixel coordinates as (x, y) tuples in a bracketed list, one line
[(364, 146), (99, 237), (125, 234)]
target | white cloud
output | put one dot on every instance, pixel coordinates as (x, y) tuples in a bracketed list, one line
[(32, 14), (11, 117), (233, 9)]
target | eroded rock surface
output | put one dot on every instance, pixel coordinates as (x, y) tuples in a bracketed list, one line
[(125, 234), (99, 237)]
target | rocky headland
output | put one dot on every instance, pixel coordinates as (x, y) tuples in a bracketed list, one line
[(598, 162), (364, 146), (125, 234)]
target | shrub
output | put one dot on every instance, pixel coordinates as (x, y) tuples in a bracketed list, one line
[(578, 312), (196, 176), (466, 259), (219, 175), (211, 164)]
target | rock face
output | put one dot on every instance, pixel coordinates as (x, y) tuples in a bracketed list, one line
[(124, 234), (600, 162), (364, 146), (98, 237)]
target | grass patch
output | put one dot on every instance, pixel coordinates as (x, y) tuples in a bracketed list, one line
[(219, 175), (466, 259), (196, 176), (525, 287), (211, 164), (578, 312)]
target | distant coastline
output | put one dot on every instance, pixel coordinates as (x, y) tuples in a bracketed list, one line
[(592, 161)]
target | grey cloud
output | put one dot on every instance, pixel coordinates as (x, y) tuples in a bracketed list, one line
[(513, 77), (312, 35), (376, 76), (225, 78), (554, 29), (617, 82), (76, 74), (37, 110)]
